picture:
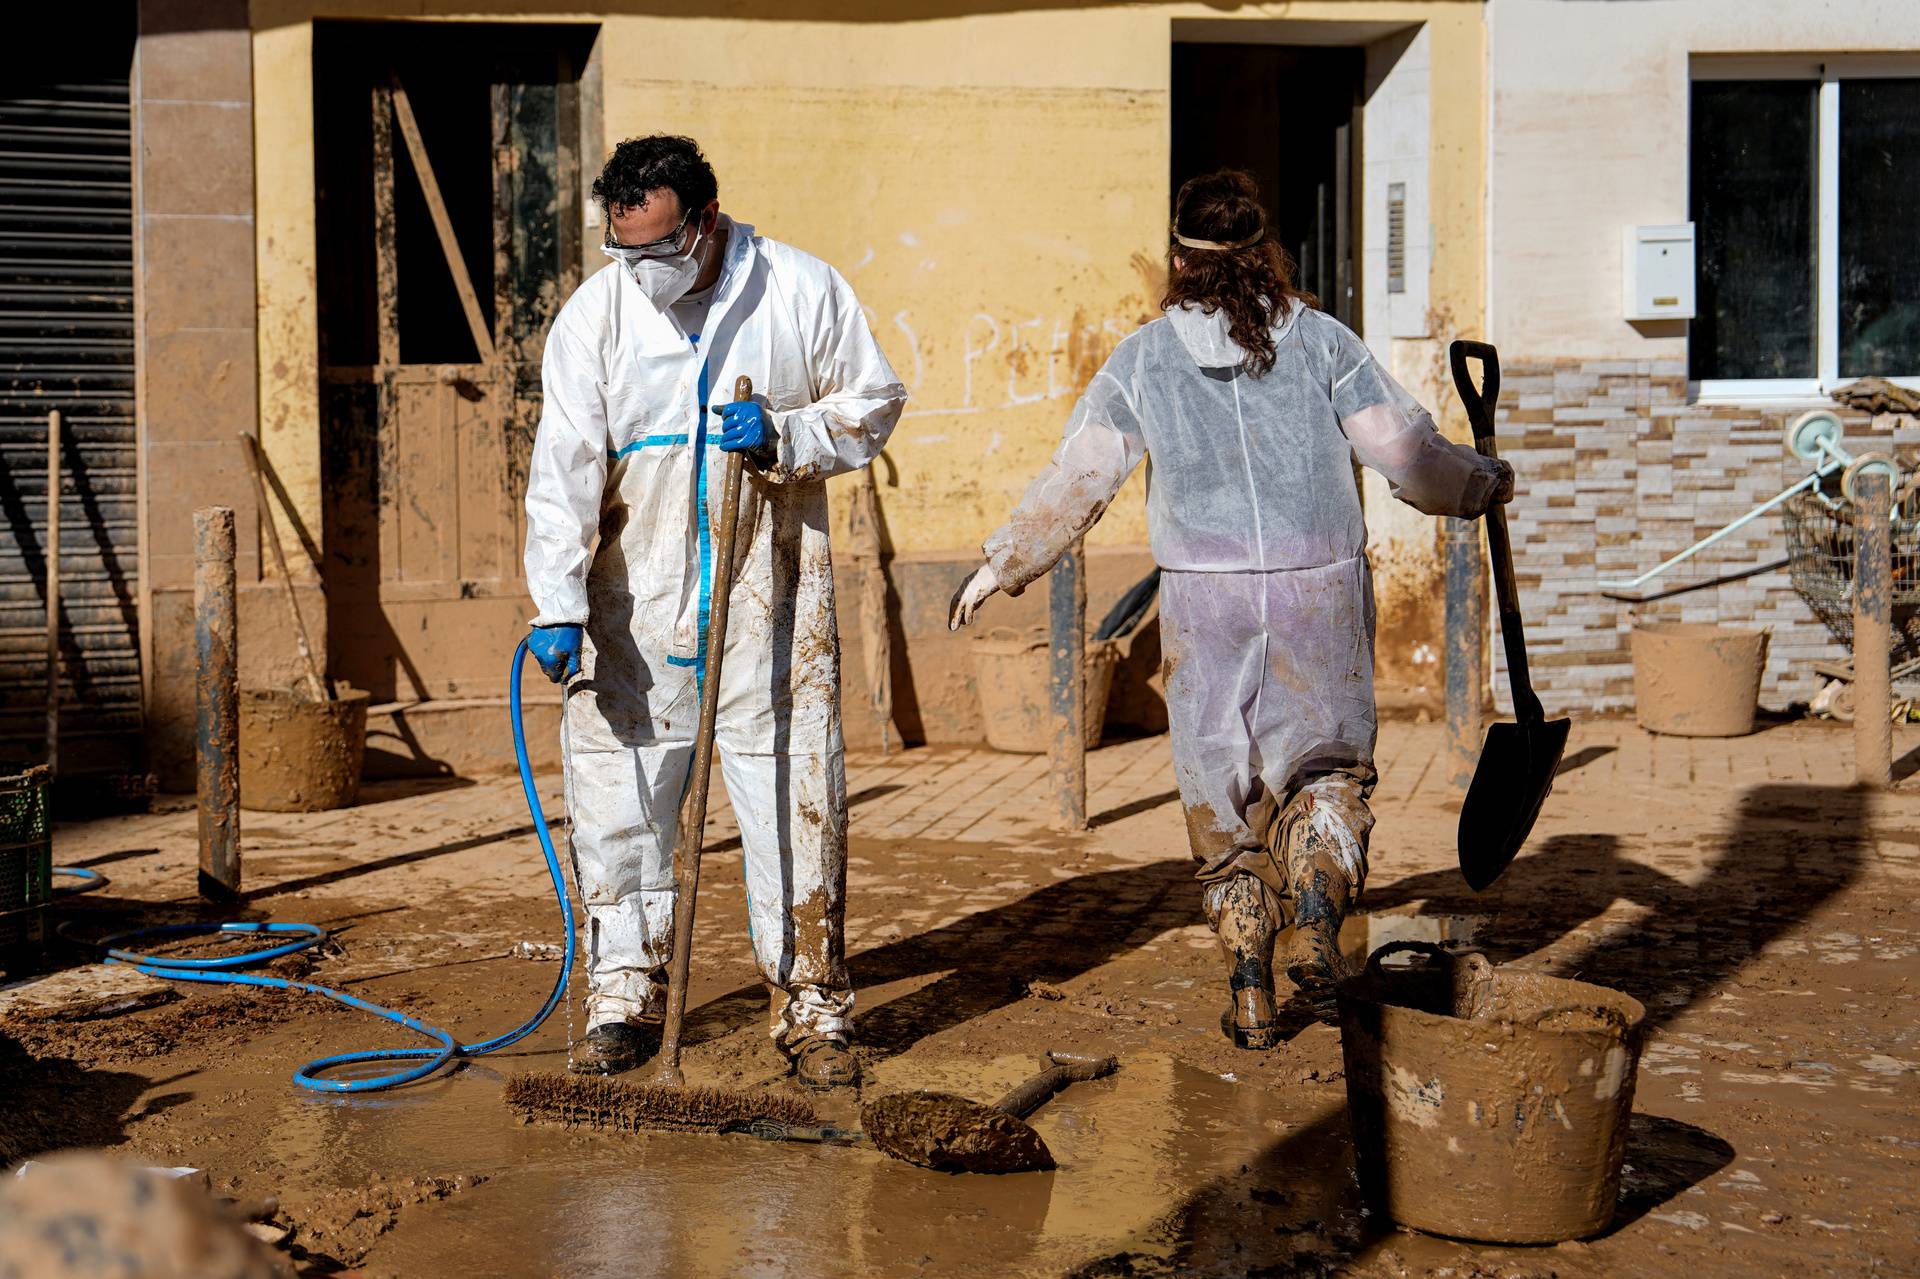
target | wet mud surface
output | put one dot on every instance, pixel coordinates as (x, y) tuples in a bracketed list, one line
[(1767, 925)]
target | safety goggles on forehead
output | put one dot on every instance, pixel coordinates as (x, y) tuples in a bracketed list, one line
[(665, 247)]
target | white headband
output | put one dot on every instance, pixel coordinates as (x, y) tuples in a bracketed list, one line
[(1192, 243)]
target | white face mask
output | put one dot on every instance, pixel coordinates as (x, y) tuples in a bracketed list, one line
[(664, 280)]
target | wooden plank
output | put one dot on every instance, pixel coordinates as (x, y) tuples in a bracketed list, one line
[(503, 175), (567, 177), (388, 487), (481, 480), (53, 591), (427, 509), (386, 239), (442, 223)]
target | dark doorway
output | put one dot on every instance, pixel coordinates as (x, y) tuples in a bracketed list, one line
[(1288, 114), (449, 185)]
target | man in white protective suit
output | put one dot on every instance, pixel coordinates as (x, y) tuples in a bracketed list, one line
[(630, 450), (1251, 407)]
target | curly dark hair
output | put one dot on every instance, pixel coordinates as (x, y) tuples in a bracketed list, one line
[(640, 166), (1253, 284)]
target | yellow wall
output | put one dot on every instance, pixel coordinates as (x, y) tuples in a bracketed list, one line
[(284, 261), (994, 185)]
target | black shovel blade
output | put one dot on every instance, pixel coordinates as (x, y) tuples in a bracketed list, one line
[(1514, 778)]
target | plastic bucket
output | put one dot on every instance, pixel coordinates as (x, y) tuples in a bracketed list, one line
[(1010, 670), (1695, 679), (300, 756), (1487, 1103)]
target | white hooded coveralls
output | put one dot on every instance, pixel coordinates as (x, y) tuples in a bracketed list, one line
[(1266, 601), (627, 451)]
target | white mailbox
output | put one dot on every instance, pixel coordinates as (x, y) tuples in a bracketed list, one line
[(1657, 264)]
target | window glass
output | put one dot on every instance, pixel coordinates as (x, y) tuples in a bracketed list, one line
[(1753, 182), (1879, 228)]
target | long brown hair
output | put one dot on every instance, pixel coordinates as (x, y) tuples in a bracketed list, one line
[(1249, 276)]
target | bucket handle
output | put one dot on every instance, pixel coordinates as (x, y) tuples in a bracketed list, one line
[(1425, 949)]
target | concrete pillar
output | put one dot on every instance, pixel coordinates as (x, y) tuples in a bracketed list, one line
[(1067, 685), (216, 685), (1872, 631)]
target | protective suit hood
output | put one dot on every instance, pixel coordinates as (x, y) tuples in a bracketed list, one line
[(1207, 339)]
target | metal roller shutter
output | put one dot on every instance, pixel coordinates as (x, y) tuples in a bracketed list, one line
[(66, 344)]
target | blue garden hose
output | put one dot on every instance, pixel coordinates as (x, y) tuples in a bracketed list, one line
[(89, 880), (223, 970)]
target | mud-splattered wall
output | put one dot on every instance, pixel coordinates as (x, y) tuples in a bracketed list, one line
[(994, 184)]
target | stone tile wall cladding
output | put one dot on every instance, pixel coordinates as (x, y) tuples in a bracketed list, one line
[(1619, 472)]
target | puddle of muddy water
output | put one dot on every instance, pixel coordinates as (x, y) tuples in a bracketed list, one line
[(1132, 1149)]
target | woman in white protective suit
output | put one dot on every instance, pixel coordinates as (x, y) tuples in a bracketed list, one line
[(628, 452), (1251, 407)]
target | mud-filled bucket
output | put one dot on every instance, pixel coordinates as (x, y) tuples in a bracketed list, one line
[(1010, 669), (1487, 1103), (1695, 679), (298, 755)]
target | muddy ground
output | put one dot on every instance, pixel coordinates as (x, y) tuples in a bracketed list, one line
[(1760, 908)]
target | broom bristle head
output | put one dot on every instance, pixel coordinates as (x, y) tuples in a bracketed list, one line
[(620, 1105)]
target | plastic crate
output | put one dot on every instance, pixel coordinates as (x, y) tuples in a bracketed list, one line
[(26, 857), (26, 840)]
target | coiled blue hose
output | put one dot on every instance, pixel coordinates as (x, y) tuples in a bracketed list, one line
[(223, 969), (89, 880)]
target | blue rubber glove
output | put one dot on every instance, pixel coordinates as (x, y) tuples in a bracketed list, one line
[(557, 649), (744, 427)]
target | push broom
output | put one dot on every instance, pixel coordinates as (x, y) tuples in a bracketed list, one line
[(933, 1130), (666, 1103)]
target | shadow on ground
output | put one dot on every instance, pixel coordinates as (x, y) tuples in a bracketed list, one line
[(989, 958), (51, 1103), (1295, 1208)]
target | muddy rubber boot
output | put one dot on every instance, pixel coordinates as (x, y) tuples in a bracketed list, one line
[(613, 1047), (825, 1063), (1246, 927), (1323, 896)]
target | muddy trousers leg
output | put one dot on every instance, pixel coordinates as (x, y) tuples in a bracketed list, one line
[(625, 807), (1321, 843), (792, 810), (1246, 920)]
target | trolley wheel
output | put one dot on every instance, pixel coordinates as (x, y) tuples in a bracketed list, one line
[(1841, 707), (1869, 464), (1808, 434)]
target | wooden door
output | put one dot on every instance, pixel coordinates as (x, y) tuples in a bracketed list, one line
[(472, 246)]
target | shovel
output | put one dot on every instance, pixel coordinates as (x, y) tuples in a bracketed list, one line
[(1518, 760), (952, 1134)]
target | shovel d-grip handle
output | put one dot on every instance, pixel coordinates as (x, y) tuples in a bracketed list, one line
[(1480, 402)]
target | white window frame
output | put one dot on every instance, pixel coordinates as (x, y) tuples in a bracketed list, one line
[(1827, 70)]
